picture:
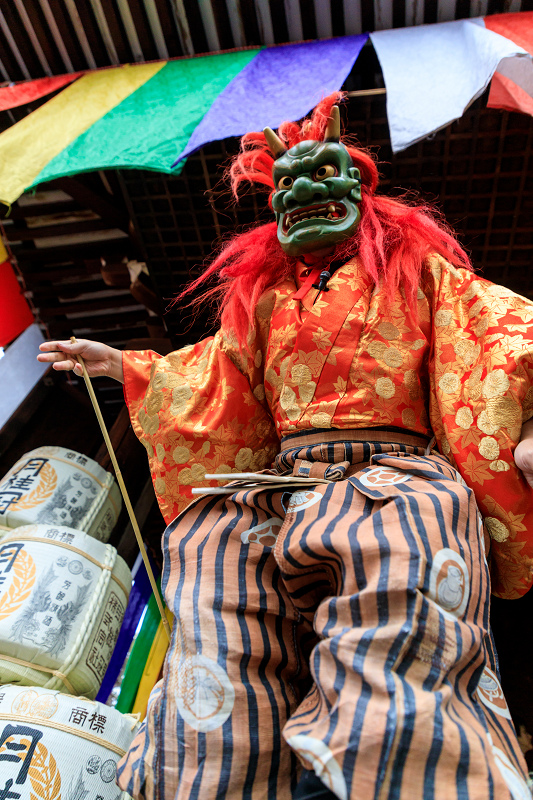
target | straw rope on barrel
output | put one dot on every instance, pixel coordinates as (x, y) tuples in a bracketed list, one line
[(62, 601), (56, 746), (59, 486)]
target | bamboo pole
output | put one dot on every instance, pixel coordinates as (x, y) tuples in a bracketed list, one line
[(124, 491)]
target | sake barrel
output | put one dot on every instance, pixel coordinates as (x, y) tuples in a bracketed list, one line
[(53, 485), (57, 747), (63, 596)]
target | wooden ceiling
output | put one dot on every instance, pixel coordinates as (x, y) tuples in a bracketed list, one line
[(50, 37), (71, 243)]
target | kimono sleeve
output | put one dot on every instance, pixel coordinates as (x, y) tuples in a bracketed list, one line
[(196, 412), (481, 391)]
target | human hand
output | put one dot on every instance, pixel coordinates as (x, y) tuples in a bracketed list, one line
[(523, 454), (100, 359)]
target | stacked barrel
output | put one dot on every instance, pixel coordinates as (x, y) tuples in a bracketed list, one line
[(63, 595)]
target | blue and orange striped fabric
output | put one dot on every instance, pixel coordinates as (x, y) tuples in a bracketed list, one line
[(345, 625)]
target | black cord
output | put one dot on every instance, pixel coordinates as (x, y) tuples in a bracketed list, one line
[(324, 277), (322, 281)]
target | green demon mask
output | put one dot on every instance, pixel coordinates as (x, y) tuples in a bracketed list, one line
[(316, 193)]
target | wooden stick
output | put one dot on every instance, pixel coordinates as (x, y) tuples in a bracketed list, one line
[(366, 92), (125, 495)]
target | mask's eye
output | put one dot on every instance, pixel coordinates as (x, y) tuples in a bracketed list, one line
[(285, 182), (325, 171)]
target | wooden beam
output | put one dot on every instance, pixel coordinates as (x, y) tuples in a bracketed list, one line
[(89, 306), (16, 234), (47, 255), (68, 291), (98, 203), (62, 327), (43, 209), (75, 269)]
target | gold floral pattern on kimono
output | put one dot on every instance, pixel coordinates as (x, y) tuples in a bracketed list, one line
[(481, 391), (458, 366), (195, 413)]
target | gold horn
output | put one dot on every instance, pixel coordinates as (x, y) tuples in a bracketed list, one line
[(333, 128), (276, 146)]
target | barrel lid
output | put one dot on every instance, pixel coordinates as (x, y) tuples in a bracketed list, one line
[(67, 714), (61, 536), (77, 460), (58, 486)]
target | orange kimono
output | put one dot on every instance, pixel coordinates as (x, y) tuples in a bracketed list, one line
[(343, 620), (461, 368)]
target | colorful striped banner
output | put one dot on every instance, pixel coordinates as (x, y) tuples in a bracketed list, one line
[(434, 72), (152, 668), (144, 116), (512, 84), (152, 116), (26, 92), (279, 83), (138, 657)]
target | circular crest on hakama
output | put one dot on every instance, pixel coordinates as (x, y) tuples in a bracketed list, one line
[(317, 756), (205, 694), (515, 783), (264, 534), (378, 477), (304, 498), (449, 583), (490, 693)]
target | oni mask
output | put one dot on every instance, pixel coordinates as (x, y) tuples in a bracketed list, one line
[(316, 193)]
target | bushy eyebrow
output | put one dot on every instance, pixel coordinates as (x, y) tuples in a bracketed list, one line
[(290, 170), (281, 172)]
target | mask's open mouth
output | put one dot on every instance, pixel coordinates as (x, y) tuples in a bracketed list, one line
[(332, 212)]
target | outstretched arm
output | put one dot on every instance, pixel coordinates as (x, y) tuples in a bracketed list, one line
[(523, 455), (100, 359)]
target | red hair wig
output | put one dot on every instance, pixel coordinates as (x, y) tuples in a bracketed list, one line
[(392, 240)]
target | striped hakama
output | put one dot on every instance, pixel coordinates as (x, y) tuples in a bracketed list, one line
[(343, 626)]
